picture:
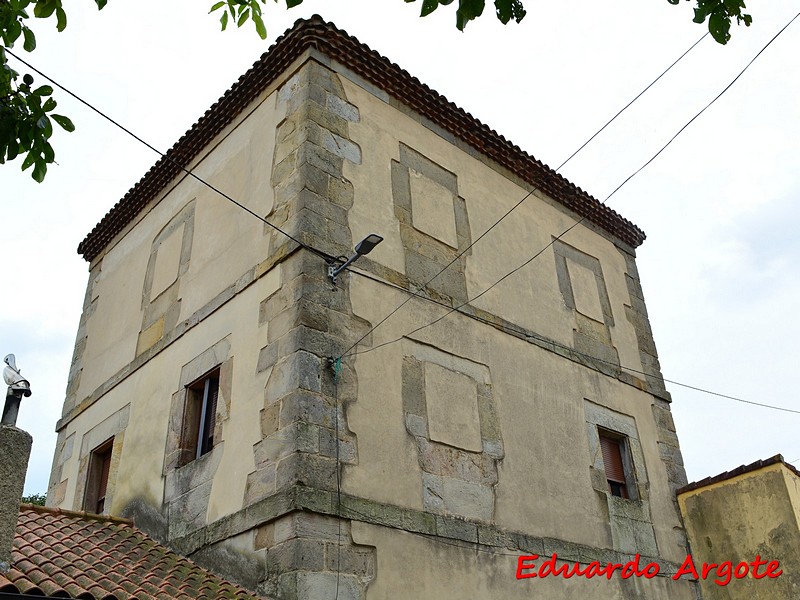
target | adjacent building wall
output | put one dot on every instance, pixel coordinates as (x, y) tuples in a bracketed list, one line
[(476, 436), (753, 511)]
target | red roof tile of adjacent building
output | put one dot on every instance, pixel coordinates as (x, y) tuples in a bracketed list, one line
[(61, 553), (387, 76), (740, 470)]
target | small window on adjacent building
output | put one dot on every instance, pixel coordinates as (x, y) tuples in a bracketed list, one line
[(201, 416), (614, 452), (97, 483)]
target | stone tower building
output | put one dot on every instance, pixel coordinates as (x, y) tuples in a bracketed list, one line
[(203, 401)]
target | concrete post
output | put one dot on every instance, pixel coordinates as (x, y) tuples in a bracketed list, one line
[(15, 450)]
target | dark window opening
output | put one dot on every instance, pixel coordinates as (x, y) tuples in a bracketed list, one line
[(200, 416), (97, 482), (613, 449)]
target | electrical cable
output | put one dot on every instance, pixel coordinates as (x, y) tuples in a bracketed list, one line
[(544, 340), (320, 253), (337, 370), (578, 222), (531, 192)]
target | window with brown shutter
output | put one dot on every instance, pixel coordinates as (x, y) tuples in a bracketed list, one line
[(200, 416), (613, 449), (97, 478)]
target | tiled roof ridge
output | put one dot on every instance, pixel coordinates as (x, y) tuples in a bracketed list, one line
[(325, 37), (740, 470), (45, 562), (76, 513)]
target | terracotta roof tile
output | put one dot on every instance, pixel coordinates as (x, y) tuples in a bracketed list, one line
[(379, 71), (76, 555), (740, 470)]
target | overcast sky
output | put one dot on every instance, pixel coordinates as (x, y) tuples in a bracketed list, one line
[(719, 206)]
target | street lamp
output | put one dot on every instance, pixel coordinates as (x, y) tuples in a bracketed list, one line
[(363, 248)]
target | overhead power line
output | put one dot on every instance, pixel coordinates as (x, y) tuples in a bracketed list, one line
[(527, 334), (320, 253), (571, 227), (530, 193)]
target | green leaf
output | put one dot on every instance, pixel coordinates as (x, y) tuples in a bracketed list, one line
[(12, 32), (224, 20), (243, 17), (509, 9), (39, 171), (699, 16), (44, 90), (260, 28), (44, 8), (101, 4), (719, 25), (61, 19), (49, 105), (29, 160), (65, 123), (217, 6), (428, 6), (293, 3), (467, 11), (30, 40)]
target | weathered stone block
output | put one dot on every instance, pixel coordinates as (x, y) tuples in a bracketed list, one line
[(307, 469), (342, 108), (296, 554), (345, 558), (308, 407), (188, 512), (260, 484), (324, 585), (300, 370)]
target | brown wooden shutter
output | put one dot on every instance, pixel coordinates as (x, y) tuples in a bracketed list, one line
[(612, 459), (105, 467), (211, 414)]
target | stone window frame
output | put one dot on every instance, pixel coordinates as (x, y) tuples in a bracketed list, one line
[(216, 359), (161, 314), (200, 410), (603, 420), (439, 461), (424, 254), (630, 523), (111, 428), (98, 477)]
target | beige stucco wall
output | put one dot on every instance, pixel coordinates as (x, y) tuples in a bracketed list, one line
[(539, 395), (531, 297), (226, 243), (149, 391), (739, 518), (428, 569), (227, 240), (540, 399)]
